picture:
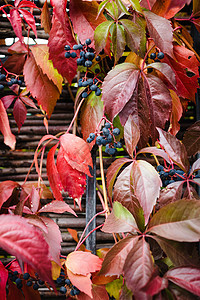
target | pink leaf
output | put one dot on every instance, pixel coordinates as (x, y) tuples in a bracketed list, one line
[(155, 151), (171, 193), (36, 221), (186, 277), (29, 18), (3, 277), (83, 263), (61, 35), (9, 138), (27, 243), (53, 238), (53, 175), (26, 3), (138, 267), (98, 293), (34, 200), (28, 101), (195, 167), (131, 135), (59, 8), (114, 260), (6, 189), (58, 207), (83, 283), (146, 185), (176, 114), (169, 8), (15, 21), (7, 100), (155, 285), (19, 112), (160, 31), (166, 70), (76, 152)]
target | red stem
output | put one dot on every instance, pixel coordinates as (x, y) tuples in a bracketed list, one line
[(149, 4), (87, 236), (75, 115)]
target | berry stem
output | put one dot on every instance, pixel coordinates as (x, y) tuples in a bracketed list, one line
[(146, 55), (77, 247), (149, 4), (41, 162), (75, 115)]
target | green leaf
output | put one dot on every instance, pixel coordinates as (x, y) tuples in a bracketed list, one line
[(136, 5), (113, 288), (101, 34), (102, 6), (122, 7), (112, 8), (118, 41), (120, 220), (179, 221)]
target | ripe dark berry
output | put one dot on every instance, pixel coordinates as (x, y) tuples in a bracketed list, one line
[(153, 55), (98, 58), (116, 131), (89, 55), (29, 283), (107, 125), (88, 63), (92, 136), (85, 83), (18, 280), (75, 47), (19, 82), (72, 293), (82, 54), (89, 140), (19, 285), (26, 276), (59, 280), (1, 87), (104, 142), (67, 282), (159, 168), (171, 181), (106, 131), (67, 47), (67, 54), (109, 138), (149, 70), (160, 55), (79, 61), (73, 54), (84, 95), (180, 172), (9, 83), (2, 77), (41, 282), (118, 145), (88, 41), (99, 140), (111, 151), (76, 291), (93, 87), (172, 172), (63, 290), (15, 273), (35, 286), (98, 92), (90, 81)]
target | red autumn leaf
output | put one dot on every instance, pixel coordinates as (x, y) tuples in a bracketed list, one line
[(4, 277), (7, 100), (15, 63), (73, 181), (14, 292), (155, 151), (169, 8), (131, 135), (6, 189), (144, 3), (58, 207), (166, 71), (53, 239), (9, 138), (83, 263), (41, 55), (98, 293), (175, 149), (195, 166), (28, 101), (34, 200), (91, 113), (14, 266), (186, 277), (155, 285), (40, 85), (160, 31), (146, 184), (184, 64), (53, 175), (46, 18), (45, 193), (171, 193), (61, 35), (112, 172), (35, 220), (59, 8), (27, 243), (138, 268), (114, 260), (18, 48), (176, 114), (29, 18), (19, 112), (25, 3), (16, 21), (76, 152), (83, 283), (191, 139), (30, 293)]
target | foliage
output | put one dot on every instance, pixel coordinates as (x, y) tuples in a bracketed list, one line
[(138, 71)]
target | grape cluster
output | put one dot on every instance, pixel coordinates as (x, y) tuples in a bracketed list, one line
[(30, 281), (85, 56), (66, 285), (6, 82), (106, 137), (170, 176)]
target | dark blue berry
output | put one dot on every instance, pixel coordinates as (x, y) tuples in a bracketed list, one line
[(1, 87), (104, 142), (109, 138), (153, 55), (92, 136), (76, 291), (67, 282), (41, 282), (72, 293), (19, 285), (162, 173), (90, 81), (29, 283), (79, 61), (75, 47), (67, 47), (111, 151), (99, 140), (35, 286), (26, 276), (67, 54), (98, 58), (59, 280), (82, 54), (180, 172), (106, 131), (63, 290), (85, 83), (18, 280), (88, 63), (9, 83), (80, 84), (159, 168), (2, 77), (107, 125), (88, 41), (165, 175), (171, 181), (89, 140), (160, 55), (80, 46), (15, 273), (172, 172), (98, 92), (15, 81), (73, 54), (118, 145), (19, 82), (93, 87), (116, 131), (84, 95)]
